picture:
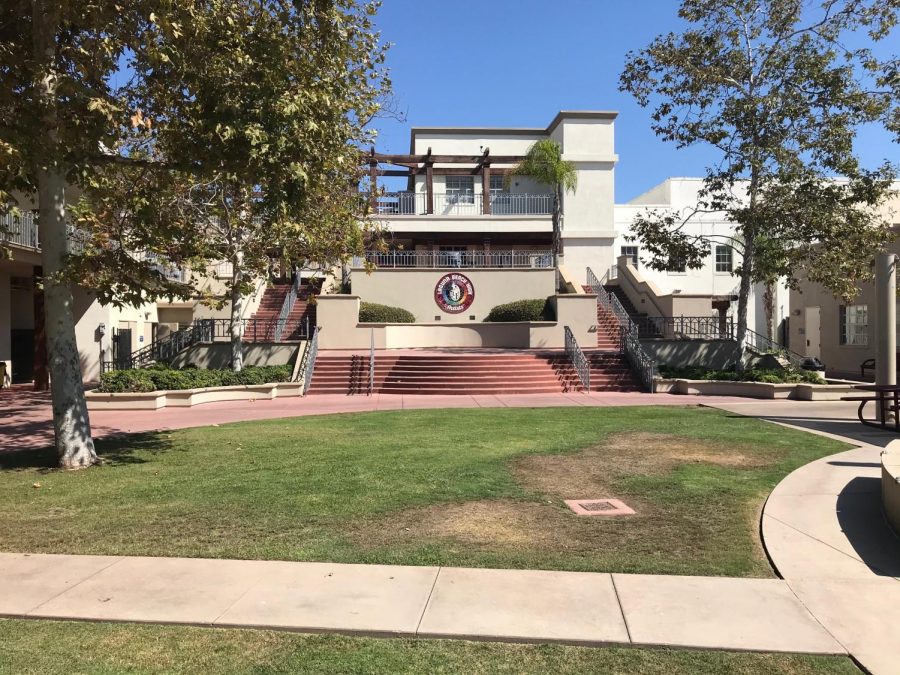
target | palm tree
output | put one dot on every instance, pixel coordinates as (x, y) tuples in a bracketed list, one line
[(544, 163)]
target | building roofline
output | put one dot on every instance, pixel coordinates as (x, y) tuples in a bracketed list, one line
[(521, 131)]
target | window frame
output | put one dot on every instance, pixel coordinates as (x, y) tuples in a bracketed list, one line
[(460, 195), (635, 260), (853, 333), (730, 259)]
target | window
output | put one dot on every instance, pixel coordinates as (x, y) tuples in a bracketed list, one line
[(854, 326), (497, 183), (461, 189), (724, 259), (631, 252)]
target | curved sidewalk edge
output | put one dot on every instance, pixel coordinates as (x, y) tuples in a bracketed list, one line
[(824, 531)]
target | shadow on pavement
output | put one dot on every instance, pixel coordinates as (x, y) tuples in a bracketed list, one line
[(862, 521), (849, 428), (117, 450)]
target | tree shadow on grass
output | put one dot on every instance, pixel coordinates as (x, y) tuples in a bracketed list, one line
[(113, 451)]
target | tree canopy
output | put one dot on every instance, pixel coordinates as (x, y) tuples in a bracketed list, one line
[(181, 133), (770, 85)]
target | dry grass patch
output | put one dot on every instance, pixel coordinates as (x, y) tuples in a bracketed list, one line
[(588, 473), (541, 521)]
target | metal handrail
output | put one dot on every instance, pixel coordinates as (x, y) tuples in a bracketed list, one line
[(762, 343), (460, 203), (493, 259), (309, 358), (165, 349), (372, 363), (629, 336), (287, 306), (685, 327), (579, 360)]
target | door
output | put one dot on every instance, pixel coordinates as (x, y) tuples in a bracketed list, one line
[(22, 355), (813, 332), (122, 348)]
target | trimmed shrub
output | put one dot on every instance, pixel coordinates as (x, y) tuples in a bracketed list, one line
[(160, 378), (372, 312), (522, 310), (770, 376)]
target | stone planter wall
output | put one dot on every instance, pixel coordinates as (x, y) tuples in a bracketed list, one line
[(154, 400), (763, 390), (890, 487)]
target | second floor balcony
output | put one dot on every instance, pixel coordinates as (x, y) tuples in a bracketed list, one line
[(494, 259), (458, 204)]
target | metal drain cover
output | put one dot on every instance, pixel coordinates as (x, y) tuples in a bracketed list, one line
[(599, 507)]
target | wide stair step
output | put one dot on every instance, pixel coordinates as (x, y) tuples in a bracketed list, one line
[(467, 373)]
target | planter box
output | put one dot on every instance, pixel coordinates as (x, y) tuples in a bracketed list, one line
[(890, 486), (726, 388), (766, 390), (185, 398), (664, 386)]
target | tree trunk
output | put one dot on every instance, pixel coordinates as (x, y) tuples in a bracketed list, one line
[(237, 303), (71, 425), (769, 304)]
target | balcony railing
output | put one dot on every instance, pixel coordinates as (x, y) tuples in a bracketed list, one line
[(20, 230), (461, 204), (496, 259)]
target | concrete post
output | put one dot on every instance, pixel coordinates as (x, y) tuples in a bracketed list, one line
[(885, 322)]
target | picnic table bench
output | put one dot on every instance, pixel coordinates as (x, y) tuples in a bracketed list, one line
[(886, 397)]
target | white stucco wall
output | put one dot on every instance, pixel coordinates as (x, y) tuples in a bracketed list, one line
[(413, 290)]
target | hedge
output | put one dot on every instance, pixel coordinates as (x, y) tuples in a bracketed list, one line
[(522, 310), (770, 376), (161, 378), (372, 312)]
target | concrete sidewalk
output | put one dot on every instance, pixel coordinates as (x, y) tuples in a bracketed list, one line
[(483, 604), (825, 532)]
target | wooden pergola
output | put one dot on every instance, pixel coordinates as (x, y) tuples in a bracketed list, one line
[(417, 165)]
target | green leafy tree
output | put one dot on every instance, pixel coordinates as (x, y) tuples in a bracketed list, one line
[(769, 86), (236, 115), (56, 114), (544, 163)]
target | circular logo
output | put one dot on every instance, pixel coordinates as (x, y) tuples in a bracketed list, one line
[(454, 293)]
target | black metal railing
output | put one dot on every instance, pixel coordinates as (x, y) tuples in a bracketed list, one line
[(579, 360), (762, 344), (629, 336), (164, 349), (685, 327)]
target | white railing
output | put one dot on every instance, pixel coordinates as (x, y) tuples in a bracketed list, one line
[(495, 259), (461, 204), (20, 230)]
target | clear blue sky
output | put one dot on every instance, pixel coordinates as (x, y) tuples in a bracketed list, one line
[(518, 62)]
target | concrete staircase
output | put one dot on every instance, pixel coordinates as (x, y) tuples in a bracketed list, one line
[(270, 308), (467, 373)]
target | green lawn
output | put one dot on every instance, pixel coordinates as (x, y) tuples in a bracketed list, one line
[(56, 647), (480, 487)]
